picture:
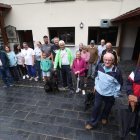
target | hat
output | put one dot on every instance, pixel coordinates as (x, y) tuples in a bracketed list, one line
[(92, 42)]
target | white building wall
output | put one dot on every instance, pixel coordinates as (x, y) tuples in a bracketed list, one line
[(37, 16)]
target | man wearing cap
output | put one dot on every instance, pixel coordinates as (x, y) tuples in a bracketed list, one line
[(93, 58)]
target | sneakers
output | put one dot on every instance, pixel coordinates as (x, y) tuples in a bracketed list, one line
[(27, 76), (36, 79), (23, 77), (132, 131), (88, 127), (78, 90), (83, 92), (31, 78), (104, 121)]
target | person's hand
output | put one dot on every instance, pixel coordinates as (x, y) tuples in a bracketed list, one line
[(132, 98), (132, 104)]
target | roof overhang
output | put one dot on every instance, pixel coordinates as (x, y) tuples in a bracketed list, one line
[(4, 7), (133, 15)]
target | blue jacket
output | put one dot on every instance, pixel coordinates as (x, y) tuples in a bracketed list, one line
[(4, 59), (12, 58), (108, 83)]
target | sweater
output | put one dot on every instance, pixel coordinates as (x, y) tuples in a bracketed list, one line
[(81, 66), (58, 59)]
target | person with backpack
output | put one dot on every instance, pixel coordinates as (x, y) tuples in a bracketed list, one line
[(46, 66), (133, 92)]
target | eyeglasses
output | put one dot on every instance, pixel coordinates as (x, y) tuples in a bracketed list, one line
[(107, 60)]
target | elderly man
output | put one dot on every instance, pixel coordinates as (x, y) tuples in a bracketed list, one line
[(108, 83), (93, 58), (110, 50), (64, 59), (101, 48)]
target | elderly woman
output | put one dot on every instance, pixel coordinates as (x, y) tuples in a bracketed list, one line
[(108, 81)]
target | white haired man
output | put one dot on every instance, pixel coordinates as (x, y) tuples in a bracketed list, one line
[(108, 82), (64, 60)]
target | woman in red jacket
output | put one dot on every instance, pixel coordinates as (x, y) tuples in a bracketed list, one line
[(78, 68)]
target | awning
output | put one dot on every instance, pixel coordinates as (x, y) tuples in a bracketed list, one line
[(4, 7), (133, 15)]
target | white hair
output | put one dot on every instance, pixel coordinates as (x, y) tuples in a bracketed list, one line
[(61, 42), (110, 55)]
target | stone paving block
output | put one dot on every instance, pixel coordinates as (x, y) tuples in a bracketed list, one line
[(8, 105), (101, 136), (71, 114), (84, 116), (18, 106), (66, 132), (44, 110), (83, 135), (53, 138), (61, 121), (67, 106), (49, 119), (79, 124), (57, 112), (30, 102), (42, 103), (34, 136), (20, 114), (7, 112), (33, 117)]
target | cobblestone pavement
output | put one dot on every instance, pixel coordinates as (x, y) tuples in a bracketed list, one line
[(28, 113)]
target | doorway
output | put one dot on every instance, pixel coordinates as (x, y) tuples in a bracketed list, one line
[(26, 36), (136, 50)]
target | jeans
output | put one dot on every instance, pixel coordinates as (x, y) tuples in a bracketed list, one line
[(14, 73), (66, 76), (22, 70), (6, 76), (109, 102), (38, 69), (91, 70), (31, 70)]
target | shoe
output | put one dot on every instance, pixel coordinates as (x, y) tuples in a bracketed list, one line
[(132, 131), (23, 77), (36, 79), (5, 86), (78, 90), (83, 92), (88, 127), (27, 76), (104, 121), (31, 78), (11, 85)]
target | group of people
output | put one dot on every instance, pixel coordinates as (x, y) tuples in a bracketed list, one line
[(96, 62)]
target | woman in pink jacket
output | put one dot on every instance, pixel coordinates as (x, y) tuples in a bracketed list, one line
[(78, 68)]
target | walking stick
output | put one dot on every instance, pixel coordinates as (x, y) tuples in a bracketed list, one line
[(77, 86)]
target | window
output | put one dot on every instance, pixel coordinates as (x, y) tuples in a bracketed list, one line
[(64, 33), (97, 33)]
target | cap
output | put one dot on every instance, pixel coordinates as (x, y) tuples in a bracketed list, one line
[(92, 42)]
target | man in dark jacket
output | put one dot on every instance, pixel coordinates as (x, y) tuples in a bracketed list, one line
[(133, 92), (110, 50), (4, 69)]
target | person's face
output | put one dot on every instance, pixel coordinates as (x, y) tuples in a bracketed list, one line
[(108, 47), (56, 42), (102, 42), (45, 40), (62, 46), (78, 55), (25, 46), (108, 61), (80, 46), (44, 55), (18, 47), (7, 49)]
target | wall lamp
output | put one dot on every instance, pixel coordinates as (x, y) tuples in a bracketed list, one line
[(81, 25)]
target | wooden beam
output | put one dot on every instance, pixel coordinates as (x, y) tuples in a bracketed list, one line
[(138, 62), (3, 31)]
